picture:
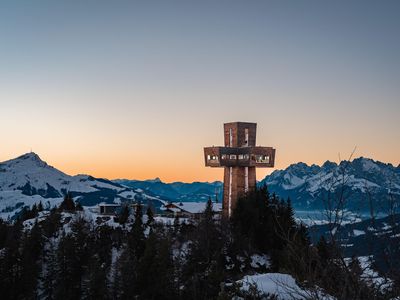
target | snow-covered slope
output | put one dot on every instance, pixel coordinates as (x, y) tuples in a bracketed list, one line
[(29, 169), (362, 180), (27, 179)]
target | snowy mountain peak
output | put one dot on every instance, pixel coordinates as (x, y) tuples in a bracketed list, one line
[(307, 185), (30, 159), (366, 164), (328, 165), (29, 155)]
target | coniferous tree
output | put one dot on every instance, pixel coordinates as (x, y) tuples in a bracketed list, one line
[(68, 203), (73, 256), (136, 239), (80, 231), (204, 270), (125, 282), (150, 216), (104, 244), (123, 215), (10, 262), (97, 287), (34, 210), (40, 206), (52, 223), (50, 271), (176, 225), (31, 249), (66, 282), (155, 269)]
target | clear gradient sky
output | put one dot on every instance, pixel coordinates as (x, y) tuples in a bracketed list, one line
[(135, 89)]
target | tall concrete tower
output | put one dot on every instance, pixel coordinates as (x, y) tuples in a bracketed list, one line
[(240, 157)]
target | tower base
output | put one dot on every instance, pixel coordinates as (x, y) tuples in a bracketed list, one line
[(237, 182)]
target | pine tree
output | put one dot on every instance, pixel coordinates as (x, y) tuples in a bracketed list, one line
[(150, 216), (32, 244), (176, 225), (66, 282), (125, 283), (97, 279), (40, 206), (136, 239), (49, 274), (52, 223), (34, 211), (155, 269), (68, 203), (124, 215), (82, 238), (204, 268), (73, 255)]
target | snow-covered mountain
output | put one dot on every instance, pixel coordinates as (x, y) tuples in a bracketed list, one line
[(363, 181), (27, 179)]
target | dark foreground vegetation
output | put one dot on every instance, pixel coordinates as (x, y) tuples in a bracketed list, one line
[(64, 256)]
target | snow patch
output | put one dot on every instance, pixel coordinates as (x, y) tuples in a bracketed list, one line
[(284, 286)]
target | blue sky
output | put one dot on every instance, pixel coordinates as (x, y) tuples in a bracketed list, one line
[(101, 86)]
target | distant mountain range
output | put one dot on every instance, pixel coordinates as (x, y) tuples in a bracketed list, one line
[(362, 182), (27, 179), (177, 191)]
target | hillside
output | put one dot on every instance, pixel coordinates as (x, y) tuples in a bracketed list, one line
[(27, 179)]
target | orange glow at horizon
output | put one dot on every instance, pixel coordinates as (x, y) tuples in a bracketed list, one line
[(170, 168)]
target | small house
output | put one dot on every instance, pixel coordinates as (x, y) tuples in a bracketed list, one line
[(188, 209), (109, 208)]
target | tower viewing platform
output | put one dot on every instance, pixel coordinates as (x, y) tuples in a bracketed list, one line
[(239, 157)]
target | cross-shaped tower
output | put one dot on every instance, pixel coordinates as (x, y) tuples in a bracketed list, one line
[(239, 157)]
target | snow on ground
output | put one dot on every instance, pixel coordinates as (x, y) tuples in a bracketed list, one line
[(91, 213), (282, 285), (170, 221), (258, 261), (127, 194), (9, 200), (197, 207), (357, 232)]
